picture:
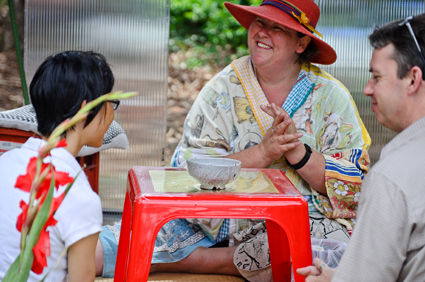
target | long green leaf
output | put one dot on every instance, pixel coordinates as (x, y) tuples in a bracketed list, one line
[(12, 275)]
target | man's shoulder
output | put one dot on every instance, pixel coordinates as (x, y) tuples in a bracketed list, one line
[(403, 166), (396, 154)]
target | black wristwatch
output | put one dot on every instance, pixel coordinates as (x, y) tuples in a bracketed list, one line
[(303, 161)]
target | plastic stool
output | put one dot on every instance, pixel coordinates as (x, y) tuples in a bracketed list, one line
[(146, 211)]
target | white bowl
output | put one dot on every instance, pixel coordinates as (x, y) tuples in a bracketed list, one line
[(213, 173)]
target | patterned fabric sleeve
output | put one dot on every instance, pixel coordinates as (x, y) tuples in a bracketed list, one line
[(343, 140)]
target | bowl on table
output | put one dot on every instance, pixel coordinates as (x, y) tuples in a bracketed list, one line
[(213, 173)]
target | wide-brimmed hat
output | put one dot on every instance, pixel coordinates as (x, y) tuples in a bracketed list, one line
[(299, 15)]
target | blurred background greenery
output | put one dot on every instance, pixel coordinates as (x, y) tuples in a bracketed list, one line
[(207, 29)]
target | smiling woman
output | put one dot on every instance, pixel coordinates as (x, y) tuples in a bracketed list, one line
[(311, 131)]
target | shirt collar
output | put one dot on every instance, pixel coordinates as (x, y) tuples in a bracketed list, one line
[(411, 132), (35, 144)]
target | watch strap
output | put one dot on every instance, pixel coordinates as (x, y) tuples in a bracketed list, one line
[(303, 161)]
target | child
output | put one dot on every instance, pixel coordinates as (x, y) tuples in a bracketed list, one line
[(61, 86)]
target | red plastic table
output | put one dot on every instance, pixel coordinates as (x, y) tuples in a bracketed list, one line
[(157, 195)]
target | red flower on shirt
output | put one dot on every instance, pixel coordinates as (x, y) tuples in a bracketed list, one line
[(61, 143), (23, 216), (41, 251), (24, 182)]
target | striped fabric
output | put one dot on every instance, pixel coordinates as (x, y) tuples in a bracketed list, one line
[(311, 207), (298, 94), (223, 234), (340, 165)]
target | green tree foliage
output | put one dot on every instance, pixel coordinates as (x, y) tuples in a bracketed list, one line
[(207, 27)]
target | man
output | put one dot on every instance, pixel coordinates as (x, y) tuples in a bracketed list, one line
[(388, 243)]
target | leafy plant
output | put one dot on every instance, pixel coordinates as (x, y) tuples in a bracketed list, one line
[(207, 28)]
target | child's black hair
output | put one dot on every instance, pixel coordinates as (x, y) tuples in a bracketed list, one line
[(63, 81)]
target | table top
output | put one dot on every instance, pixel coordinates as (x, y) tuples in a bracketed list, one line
[(161, 181)]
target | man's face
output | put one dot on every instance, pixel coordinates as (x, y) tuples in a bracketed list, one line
[(386, 90)]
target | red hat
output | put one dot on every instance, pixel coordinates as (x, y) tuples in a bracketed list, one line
[(299, 15)]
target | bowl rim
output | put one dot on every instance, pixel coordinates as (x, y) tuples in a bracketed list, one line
[(234, 162)]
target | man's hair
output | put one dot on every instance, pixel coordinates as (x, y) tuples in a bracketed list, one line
[(63, 81), (406, 52)]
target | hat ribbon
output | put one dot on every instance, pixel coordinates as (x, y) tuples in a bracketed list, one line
[(293, 11)]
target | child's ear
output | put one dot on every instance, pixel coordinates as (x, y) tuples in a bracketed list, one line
[(83, 104)]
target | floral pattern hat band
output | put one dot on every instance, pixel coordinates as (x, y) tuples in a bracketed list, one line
[(299, 15)]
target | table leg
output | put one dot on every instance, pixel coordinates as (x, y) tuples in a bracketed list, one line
[(295, 242), (124, 243), (141, 249), (279, 251)]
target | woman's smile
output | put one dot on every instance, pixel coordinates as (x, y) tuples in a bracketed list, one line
[(262, 45)]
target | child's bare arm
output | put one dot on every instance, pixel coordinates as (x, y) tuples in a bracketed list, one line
[(81, 261)]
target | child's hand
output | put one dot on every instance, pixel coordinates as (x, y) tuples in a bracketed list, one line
[(274, 111)]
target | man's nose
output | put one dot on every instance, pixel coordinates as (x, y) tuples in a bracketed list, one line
[(368, 89)]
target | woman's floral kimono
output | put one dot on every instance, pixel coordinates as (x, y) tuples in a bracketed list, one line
[(226, 118)]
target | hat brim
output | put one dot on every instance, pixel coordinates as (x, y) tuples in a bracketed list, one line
[(245, 15)]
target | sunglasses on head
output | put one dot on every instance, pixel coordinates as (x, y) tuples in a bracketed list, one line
[(406, 22)]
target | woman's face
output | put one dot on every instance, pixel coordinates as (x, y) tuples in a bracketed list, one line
[(99, 125), (274, 45)]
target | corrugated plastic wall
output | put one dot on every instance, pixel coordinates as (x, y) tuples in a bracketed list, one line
[(133, 36)]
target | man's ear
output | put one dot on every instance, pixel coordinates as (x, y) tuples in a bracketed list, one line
[(415, 76)]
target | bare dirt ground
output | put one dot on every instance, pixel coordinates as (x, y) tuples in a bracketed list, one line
[(183, 87)]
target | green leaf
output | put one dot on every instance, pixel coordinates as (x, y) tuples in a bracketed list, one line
[(12, 274)]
